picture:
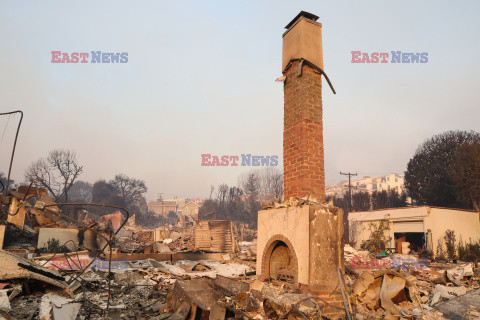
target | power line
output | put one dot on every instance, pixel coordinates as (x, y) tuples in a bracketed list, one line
[(349, 174)]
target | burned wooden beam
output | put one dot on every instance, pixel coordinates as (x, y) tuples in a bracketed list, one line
[(15, 267)]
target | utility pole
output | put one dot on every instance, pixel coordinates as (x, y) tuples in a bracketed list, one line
[(349, 174)]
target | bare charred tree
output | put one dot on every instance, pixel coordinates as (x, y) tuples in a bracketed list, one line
[(243, 203), (227, 205), (57, 173), (277, 185), (251, 188), (221, 204), (131, 190), (235, 207), (208, 210), (271, 184)]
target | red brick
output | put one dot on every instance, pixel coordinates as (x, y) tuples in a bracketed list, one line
[(303, 134)]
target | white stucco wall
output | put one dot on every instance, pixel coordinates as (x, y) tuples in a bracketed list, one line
[(361, 230), (360, 222), (65, 237), (465, 224)]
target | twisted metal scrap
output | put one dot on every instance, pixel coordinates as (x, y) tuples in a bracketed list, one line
[(111, 236), (109, 242)]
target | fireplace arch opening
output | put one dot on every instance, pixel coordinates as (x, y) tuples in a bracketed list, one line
[(280, 261)]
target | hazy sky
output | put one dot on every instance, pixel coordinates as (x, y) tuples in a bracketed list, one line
[(200, 78)]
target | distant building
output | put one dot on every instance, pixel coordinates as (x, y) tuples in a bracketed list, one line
[(195, 199), (191, 210), (180, 206), (180, 203), (368, 184), (162, 207)]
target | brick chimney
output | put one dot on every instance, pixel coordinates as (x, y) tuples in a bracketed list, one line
[(302, 64), (301, 244)]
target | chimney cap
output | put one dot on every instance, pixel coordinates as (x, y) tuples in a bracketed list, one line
[(302, 13)]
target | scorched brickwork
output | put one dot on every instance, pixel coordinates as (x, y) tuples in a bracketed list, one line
[(303, 157)]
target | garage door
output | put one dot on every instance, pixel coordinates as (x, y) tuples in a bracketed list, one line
[(408, 226)]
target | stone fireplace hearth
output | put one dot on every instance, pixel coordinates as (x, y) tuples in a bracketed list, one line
[(301, 245)]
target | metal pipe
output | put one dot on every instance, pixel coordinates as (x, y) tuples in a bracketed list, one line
[(14, 145), (349, 317)]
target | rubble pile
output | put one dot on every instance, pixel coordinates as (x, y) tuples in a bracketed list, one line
[(295, 202), (57, 268), (182, 243), (42, 288), (247, 250), (406, 286), (133, 289), (227, 298)]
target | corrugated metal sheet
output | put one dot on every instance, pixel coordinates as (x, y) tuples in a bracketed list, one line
[(214, 236)]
